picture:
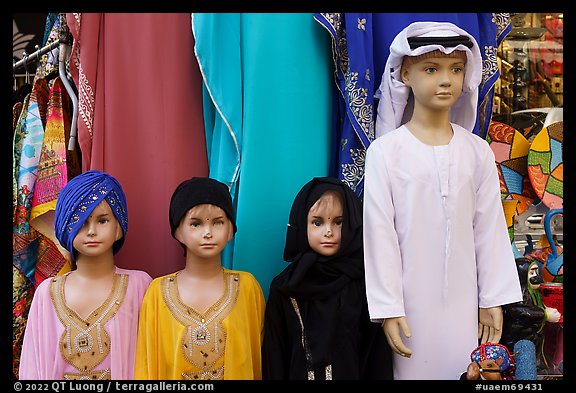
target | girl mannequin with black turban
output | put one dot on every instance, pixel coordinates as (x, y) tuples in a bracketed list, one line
[(83, 324), (316, 324), (204, 321)]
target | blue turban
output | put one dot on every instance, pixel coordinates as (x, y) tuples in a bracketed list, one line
[(493, 352), (80, 197)]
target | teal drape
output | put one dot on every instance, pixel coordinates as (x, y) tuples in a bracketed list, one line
[(268, 77)]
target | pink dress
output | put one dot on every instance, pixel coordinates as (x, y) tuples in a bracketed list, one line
[(58, 344)]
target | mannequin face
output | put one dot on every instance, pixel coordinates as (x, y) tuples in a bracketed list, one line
[(436, 81), (205, 230), (325, 224), (99, 232), (533, 277)]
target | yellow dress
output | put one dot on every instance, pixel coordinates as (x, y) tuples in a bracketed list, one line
[(176, 341)]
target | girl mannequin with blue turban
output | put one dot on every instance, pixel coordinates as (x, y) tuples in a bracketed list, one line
[(83, 324)]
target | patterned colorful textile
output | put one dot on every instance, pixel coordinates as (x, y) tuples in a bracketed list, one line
[(545, 165), (48, 62), (22, 294), (31, 145), (16, 111), (493, 352), (510, 149), (54, 170), (19, 133), (26, 152)]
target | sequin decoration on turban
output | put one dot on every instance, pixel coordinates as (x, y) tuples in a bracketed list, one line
[(493, 352), (80, 197)]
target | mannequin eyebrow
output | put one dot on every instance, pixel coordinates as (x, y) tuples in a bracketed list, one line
[(432, 62), (192, 218), (101, 215)]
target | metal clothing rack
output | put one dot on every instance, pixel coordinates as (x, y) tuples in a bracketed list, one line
[(34, 56), (65, 44)]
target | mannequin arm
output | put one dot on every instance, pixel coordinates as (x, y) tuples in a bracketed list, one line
[(392, 327), (490, 324)]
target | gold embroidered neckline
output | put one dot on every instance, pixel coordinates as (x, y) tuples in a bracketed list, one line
[(85, 343), (203, 340), (98, 310), (213, 307)]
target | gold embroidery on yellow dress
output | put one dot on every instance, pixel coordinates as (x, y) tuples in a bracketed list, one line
[(204, 340), (85, 343)]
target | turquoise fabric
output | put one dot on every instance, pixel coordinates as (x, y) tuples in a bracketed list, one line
[(283, 69), (287, 67)]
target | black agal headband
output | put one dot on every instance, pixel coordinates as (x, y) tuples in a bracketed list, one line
[(416, 42)]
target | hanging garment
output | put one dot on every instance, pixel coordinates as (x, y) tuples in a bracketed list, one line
[(19, 133), (54, 171), (16, 111), (22, 294), (48, 62), (26, 153), (178, 342), (59, 344), (361, 44), (140, 119), (285, 65), (28, 156)]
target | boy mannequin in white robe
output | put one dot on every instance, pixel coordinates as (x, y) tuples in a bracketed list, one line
[(438, 258)]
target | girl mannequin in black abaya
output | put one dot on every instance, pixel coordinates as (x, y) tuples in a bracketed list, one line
[(316, 323)]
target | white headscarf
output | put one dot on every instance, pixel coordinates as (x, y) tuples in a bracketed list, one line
[(394, 108)]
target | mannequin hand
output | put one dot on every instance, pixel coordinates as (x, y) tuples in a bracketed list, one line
[(392, 328), (552, 315), (490, 324)]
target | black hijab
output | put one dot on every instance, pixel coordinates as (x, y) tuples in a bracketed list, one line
[(327, 288)]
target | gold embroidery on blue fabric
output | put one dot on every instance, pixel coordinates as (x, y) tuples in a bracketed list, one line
[(489, 64), (502, 22), (353, 173), (357, 96)]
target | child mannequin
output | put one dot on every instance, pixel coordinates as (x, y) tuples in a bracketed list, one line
[(205, 321), (316, 323), (438, 259), (83, 324)]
